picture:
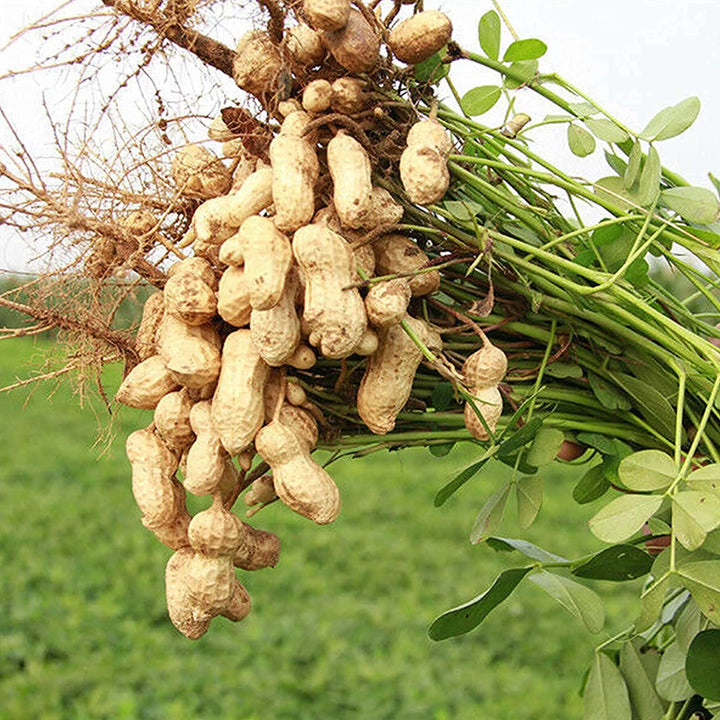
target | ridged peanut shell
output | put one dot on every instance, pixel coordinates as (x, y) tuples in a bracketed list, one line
[(210, 583), (198, 173), (195, 266), (348, 96), (424, 174), (240, 604), (486, 367), (327, 14), (351, 172), (258, 549), (430, 132), (356, 46), (399, 254), (420, 36), (206, 458), (301, 422), (189, 298), (172, 420), (488, 401), (257, 62), (234, 297), (146, 384), (260, 491), (180, 608), (317, 96), (215, 531), (304, 45), (145, 344), (175, 533), (303, 485), (387, 302)]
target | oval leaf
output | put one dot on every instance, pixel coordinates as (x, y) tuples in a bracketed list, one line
[(705, 479), (545, 446), (617, 563), (652, 404), (480, 99), (606, 130), (702, 665), (688, 625), (623, 517), (466, 617), (490, 515), (647, 470), (522, 73), (592, 485), (632, 172), (489, 34), (581, 142), (529, 494), (458, 481), (672, 121), (641, 687), (702, 579), (529, 49), (606, 695), (608, 395), (671, 682), (501, 544), (694, 204), (695, 514), (577, 599), (649, 187)]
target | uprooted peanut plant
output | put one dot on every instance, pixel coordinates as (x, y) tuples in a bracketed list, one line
[(350, 261)]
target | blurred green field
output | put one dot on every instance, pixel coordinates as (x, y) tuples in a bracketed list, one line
[(337, 629)]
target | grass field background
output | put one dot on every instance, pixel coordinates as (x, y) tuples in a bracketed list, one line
[(338, 628)]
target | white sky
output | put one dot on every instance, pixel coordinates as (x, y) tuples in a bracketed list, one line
[(634, 57)]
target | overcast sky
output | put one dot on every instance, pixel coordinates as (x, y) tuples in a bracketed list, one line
[(634, 57)]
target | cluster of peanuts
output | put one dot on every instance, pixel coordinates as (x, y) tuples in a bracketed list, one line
[(280, 274)]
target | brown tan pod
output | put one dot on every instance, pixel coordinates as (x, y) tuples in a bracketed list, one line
[(295, 171), (396, 254), (191, 352), (356, 46), (424, 174), (317, 96), (258, 549), (254, 196), (268, 257), (232, 251), (198, 173), (153, 310), (351, 172), (486, 367), (300, 482), (216, 531), (294, 394), (334, 314), (348, 96), (146, 384), (364, 254), (210, 583), (257, 62), (261, 491), (388, 378), (189, 298), (172, 420), (237, 406), (430, 132), (301, 422), (206, 458), (219, 131), (368, 343), (303, 358), (229, 479), (383, 209), (327, 14), (240, 604), (304, 45), (195, 266), (180, 608), (153, 467), (387, 302), (276, 332), (234, 297), (488, 401), (420, 36), (175, 534)]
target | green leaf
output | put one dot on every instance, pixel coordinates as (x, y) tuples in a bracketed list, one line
[(650, 402), (583, 109), (688, 625), (672, 121), (441, 450), (490, 516), (578, 600), (694, 204), (606, 695), (705, 479), (632, 172), (647, 470), (580, 141), (529, 49), (652, 603), (702, 665), (702, 579), (644, 699), (616, 563), (529, 495), (649, 186), (592, 485), (545, 446), (489, 34), (616, 163), (501, 544), (612, 189), (608, 395), (606, 445), (443, 396), (671, 682), (623, 517), (520, 438), (564, 370), (712, 542), (432, 70), (480, 99), (606, 130), (466, 617), (524, 71), (459, 480), (695, 514)]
